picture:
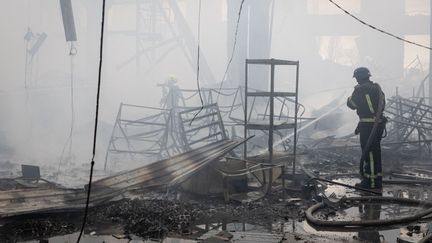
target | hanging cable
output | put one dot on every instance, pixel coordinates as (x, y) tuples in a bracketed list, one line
[(233, 49), (198, 63), (26, 63), (72, 53), (378, 29), (96, 123), (26, 71)]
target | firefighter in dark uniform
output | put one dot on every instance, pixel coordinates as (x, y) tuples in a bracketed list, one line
[(366, 101)]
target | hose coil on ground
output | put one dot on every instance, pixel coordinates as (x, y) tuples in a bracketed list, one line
[(373, 222)]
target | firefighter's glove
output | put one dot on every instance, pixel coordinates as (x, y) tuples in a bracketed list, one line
[(357, 131)]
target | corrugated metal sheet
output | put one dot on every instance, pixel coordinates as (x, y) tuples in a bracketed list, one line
[(162, 173)]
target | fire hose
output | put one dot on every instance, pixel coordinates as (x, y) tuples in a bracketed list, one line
[(371, 137), (372, 199), (370, 222), (427, 238)]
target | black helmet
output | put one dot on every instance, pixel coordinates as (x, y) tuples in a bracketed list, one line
[(361, 73)]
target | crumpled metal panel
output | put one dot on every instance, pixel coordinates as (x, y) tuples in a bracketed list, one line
[(166, 172)]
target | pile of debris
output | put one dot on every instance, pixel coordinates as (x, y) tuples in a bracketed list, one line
[(192, 151)]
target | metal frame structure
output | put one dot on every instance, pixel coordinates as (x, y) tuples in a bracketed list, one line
[(166, 133), (210, 122), (157, 133), (161, 27), (410, 123), (230, 104), (271, 127), (129, 133)]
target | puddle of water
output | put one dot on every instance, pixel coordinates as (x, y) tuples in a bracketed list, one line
[(302, 228), (369, 211), (236, 227), (369, 235), (290, 227), (405, 191)]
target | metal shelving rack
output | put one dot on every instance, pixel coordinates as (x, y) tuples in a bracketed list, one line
[(271, 95)]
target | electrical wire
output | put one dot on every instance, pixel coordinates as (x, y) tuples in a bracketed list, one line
[(378, 29), (72, 53), (26, 68), (233, 49), (26, 64), (96, 123), (198, 63)]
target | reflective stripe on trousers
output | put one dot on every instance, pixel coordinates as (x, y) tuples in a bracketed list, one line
[(372, 169)]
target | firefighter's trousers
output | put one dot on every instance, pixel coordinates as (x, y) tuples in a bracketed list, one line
[(372, 169)]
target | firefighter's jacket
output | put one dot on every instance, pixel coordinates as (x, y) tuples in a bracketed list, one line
[(365, 99)]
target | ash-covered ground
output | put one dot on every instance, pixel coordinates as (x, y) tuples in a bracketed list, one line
[(158, 214), (155, 215)]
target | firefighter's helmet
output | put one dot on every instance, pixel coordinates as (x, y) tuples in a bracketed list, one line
[(361, 73)]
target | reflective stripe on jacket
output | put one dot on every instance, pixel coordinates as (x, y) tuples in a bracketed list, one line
[(364, 100)]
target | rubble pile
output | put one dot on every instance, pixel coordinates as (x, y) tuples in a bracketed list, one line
[(149, 218), (39, 228), (333, 161), (156, 218)]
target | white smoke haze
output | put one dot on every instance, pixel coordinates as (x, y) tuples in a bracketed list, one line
[(35, 121)]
